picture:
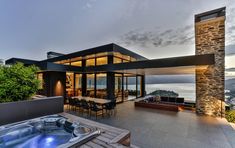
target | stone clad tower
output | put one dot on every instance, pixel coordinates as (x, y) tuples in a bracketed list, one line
[(210, 39)]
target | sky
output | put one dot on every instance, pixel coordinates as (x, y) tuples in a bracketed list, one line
[(152, 28)]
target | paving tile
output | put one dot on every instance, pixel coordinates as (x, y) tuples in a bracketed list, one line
[(164, 129)]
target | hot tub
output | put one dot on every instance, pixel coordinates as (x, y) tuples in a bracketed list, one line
[(46, 132)]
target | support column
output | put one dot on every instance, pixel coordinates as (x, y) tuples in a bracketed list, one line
[(210, 39), (110, 85), (142, 85), (84, 84)]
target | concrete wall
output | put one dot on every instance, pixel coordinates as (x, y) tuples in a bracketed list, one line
[(210, 38), (23, 110)]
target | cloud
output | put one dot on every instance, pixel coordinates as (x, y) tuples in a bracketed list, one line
[(230, 69), (230, 31), (159, 38), (230, 50), (89, 4)]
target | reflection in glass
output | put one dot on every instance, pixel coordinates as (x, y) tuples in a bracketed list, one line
[(138, 86), (101, 85), (90, 85), (90, 62), (117, 60), (40, 78), (78, 84), (102, 61), (118, 87), (69, 84), (77, 63)]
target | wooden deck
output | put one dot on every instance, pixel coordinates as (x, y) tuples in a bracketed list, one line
[(111, 137)]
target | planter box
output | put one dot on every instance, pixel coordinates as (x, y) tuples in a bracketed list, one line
[(24, 110)]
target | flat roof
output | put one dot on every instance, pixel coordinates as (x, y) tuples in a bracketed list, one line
[(175, 65), (104, 48)]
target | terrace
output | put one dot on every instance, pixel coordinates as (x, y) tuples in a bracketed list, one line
[(157, 128), (101, 73)]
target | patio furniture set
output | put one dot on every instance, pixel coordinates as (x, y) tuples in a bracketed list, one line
[(91, 106)]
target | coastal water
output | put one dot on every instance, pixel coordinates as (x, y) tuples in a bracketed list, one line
[(186, 90)]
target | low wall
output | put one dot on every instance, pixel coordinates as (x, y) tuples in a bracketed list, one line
[(23, 110)]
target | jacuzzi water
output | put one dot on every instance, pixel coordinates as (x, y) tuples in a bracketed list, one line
[(45, 132)]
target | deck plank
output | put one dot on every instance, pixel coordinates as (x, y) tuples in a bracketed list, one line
[(110, 137)]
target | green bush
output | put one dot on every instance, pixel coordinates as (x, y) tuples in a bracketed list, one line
[(164, 93), (17, 82), (230, 116)]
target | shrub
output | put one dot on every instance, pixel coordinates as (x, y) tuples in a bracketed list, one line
[(17, 82), (230, 116), (164, 93)]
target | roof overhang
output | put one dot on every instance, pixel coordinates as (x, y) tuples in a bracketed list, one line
[(175, 65)]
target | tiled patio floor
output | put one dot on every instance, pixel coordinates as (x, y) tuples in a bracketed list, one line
[(163, 129)]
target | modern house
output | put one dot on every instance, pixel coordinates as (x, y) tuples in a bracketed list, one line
[(104, 71)]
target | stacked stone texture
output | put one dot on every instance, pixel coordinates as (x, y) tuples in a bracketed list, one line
[(210, 38)]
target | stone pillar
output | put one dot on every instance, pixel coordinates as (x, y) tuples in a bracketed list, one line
[(210, 39)]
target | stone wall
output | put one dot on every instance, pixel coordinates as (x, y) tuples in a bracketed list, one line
[(210, 38)]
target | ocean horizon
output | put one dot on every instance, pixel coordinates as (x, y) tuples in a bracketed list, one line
[(185, 90)]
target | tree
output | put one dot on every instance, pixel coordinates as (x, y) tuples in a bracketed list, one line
[(18, 82)]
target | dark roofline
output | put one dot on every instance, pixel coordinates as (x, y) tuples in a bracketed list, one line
[(24, 61), (218, 12), (128, 52), (52, 52)]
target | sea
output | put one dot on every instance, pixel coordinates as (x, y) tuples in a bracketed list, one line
[(185, 90)]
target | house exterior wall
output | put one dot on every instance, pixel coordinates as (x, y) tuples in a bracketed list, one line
[(210, 38), (54, 84)]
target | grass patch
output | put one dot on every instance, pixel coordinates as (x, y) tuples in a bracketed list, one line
[(230, 116)]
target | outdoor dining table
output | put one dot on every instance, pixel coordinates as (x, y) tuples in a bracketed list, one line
[(96, 100)]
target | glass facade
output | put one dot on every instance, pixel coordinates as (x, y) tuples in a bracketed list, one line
[(40, 78), (90, 62), (78, 85), (102, 60), (69, 84), (95, 84), (121, 58), (118, 87), (90, 85), (101, 85)]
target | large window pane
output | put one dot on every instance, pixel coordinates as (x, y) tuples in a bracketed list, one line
[(117, 60), (138, 86), (90, 85), (101, 85), (77, 63), (118, 87), (101, 61), (90, 62), (40, 78), (78, 84), (70, 84)]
